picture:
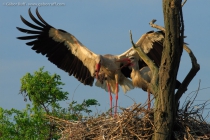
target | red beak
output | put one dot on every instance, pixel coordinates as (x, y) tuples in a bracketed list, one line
[(124, 60), (129, 63), (98, 66)]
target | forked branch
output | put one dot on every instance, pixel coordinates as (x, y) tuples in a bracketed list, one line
[(195, 66)]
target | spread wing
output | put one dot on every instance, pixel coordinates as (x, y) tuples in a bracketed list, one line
[(61, 48), (152, 44)]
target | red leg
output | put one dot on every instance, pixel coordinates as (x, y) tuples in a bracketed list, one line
[(149, 102), (115, 112), (110, 97)]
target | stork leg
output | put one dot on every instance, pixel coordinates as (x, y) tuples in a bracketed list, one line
[(116, 92), (149, 102), (115, 112), (110, 97)]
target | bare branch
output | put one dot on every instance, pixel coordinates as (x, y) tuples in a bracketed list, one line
[(184, 3), (151, 65), (195, 68), (156, 26), (196, 92)]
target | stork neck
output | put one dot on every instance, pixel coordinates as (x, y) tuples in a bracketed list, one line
[(135, 66), (108, 62)]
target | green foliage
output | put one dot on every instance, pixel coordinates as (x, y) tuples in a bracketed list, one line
[(77, 109), (16, 125), (44, 91)]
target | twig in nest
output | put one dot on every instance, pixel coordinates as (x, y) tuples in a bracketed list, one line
[(129, 125), (196, 92), (130, 98)]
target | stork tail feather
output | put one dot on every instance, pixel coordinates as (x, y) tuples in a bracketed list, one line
[(126, 85), (104, 86)]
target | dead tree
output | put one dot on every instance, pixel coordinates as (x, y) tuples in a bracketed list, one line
[(163, 82)]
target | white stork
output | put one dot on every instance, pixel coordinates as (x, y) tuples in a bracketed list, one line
[(152, 45), (70, 55)]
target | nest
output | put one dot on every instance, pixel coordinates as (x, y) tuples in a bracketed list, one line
[(134, 123)]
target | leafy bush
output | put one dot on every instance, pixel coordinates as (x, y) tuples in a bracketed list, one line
[(44, 91)]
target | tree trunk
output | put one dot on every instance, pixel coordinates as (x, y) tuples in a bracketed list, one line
[(172, 51)]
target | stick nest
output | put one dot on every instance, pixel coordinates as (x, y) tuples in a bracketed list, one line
[(133, 123)]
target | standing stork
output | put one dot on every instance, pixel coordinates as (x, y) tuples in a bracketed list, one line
[(141, 78), (152, 45), (70, 55)]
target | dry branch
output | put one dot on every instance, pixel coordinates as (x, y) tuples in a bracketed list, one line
[(153, 25), (134, 123), (195, 66), (184, 3)]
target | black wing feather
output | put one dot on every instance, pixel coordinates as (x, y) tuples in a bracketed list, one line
[(34, 19), (28, 31), (56, 52), (40, 18), (154, 54), (29, 24), (126, 71)]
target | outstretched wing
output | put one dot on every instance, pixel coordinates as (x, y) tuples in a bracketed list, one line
[(152, 44), (61, 48)]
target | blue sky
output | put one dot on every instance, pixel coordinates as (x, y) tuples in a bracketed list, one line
[(103, 27)]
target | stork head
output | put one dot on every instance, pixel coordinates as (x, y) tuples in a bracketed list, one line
[(98, 66), (133, 61), (132, 58)]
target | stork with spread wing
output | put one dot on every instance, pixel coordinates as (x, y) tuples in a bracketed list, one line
[(70, 55), (152, 45)]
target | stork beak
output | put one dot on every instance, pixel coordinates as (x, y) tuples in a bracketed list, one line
[(124, 60), (127, 60), (98, 67)]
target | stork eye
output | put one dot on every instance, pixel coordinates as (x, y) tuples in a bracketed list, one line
[(132, 58)]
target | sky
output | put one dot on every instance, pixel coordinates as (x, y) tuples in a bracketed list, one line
[(103, 27)]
